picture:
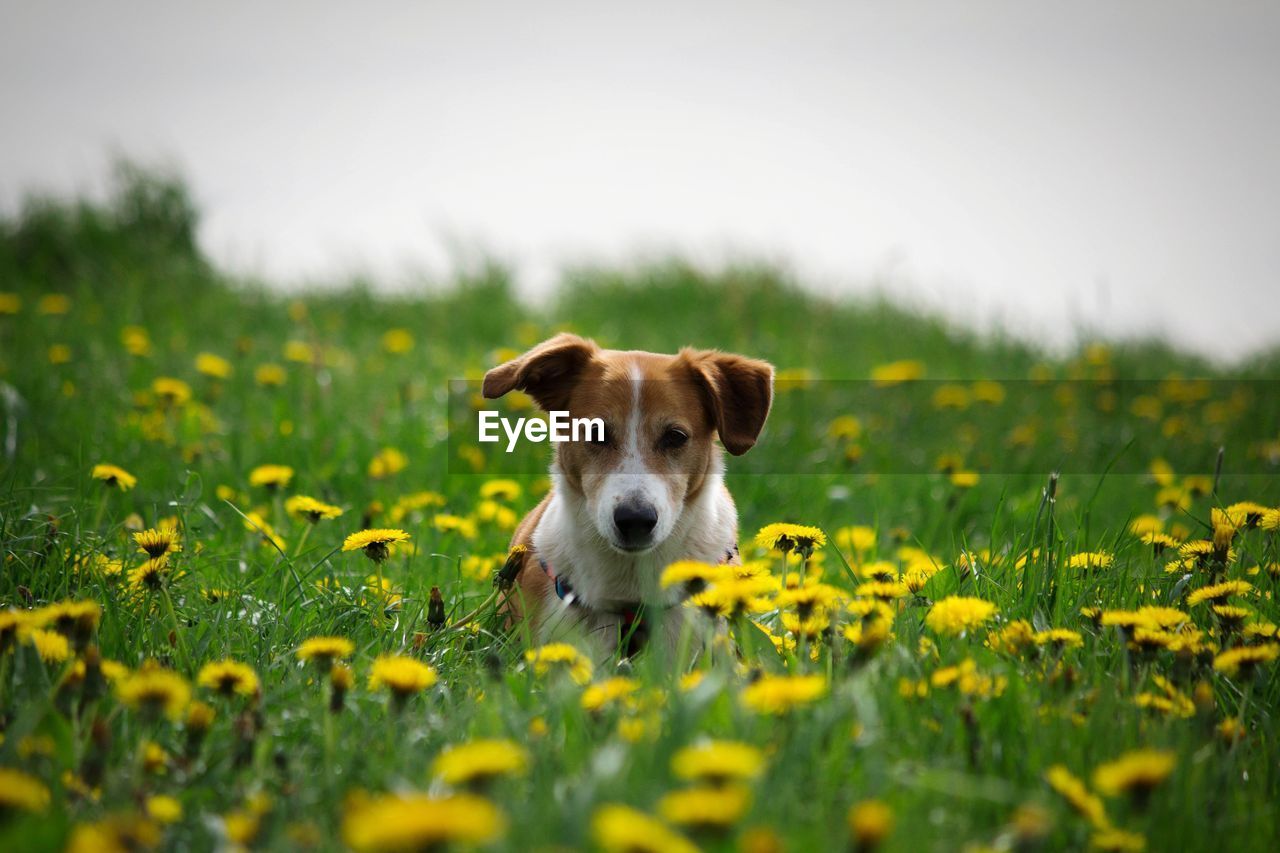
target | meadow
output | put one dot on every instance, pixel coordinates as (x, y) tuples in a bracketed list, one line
[(942, 646)]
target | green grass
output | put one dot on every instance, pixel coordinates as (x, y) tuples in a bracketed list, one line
[(953, 768)]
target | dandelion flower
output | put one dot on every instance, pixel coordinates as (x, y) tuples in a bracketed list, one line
[(228, 677), (325, 650), (113, 475), (271, 476), (870, 822), (479, 762), (170, 391), (21, 792), (163, 809), (1077, 796), (1136, 773), (611, 691), (1245, 658), (897, 372), (691, 576), (269, 375), (375, 542), (388, 462), (957, 614), (1089, 560), (790, 537), (150, 575), (402, 675), (718, 762), (706, 808), (560, 657), (1218, 592), (402, 822), (302, 506), (500, 490), (780, 694), (1063, 638), (50, 645), (156, 690), (158, 542), (213, 366), (621, 829)]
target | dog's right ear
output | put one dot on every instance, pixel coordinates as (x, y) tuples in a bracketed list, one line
[(545, 372)]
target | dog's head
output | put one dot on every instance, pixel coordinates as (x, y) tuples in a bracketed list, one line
[(662, 414)]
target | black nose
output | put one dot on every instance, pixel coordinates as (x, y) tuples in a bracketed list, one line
[(635, 523)]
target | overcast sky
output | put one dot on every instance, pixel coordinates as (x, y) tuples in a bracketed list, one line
[(1108, 165)]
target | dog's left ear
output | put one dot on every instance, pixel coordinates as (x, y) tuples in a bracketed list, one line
[(738, 391)]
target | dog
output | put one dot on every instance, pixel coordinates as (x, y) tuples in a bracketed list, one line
[(650, 493)]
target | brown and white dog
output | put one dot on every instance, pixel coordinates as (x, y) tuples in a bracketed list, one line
[(620, 510)]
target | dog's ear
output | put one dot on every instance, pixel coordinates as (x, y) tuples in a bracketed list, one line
[(738, 391), (545, 372)]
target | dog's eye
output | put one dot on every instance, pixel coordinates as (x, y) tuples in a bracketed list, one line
[(673, 439)]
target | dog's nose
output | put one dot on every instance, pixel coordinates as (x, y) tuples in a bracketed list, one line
[(635, 523)]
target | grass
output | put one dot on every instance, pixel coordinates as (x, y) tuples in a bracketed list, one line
[(957, 751)]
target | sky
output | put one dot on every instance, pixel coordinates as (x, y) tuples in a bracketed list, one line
[(1057, 168)]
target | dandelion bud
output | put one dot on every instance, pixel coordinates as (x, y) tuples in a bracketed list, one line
[(870, 822), (435, 609), (507, 574)]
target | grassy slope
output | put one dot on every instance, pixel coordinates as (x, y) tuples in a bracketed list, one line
[(134, 263)]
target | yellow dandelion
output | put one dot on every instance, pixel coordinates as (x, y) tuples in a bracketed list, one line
[(1136, 773), (325, 650), (706, 808), (302, 506), (691, 576), (375, 542), (21, 792), (718, 762), (271, 476), (870, 822), (621, 829), (50, 645), (479, 762), (500, 490), (1218, 592), (213, 366), (1089, 560), (163, 808), (1077, 795), (158, 542), (229, 677), (113, 475), (1062, 638), (397, 341), (612, 691), (790, 537), (780, 694), (393, 823), (1245, 658), (897, 372), (171, 392), (155, 690), (402, 675), (269, 375), (957, 614), (388, 462)]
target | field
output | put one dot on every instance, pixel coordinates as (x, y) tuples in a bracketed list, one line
[(973, 656)]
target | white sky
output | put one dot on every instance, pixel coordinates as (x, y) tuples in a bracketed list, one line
[(1113, 166)]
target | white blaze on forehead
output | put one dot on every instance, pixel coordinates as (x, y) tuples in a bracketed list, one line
[(632, 480)]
